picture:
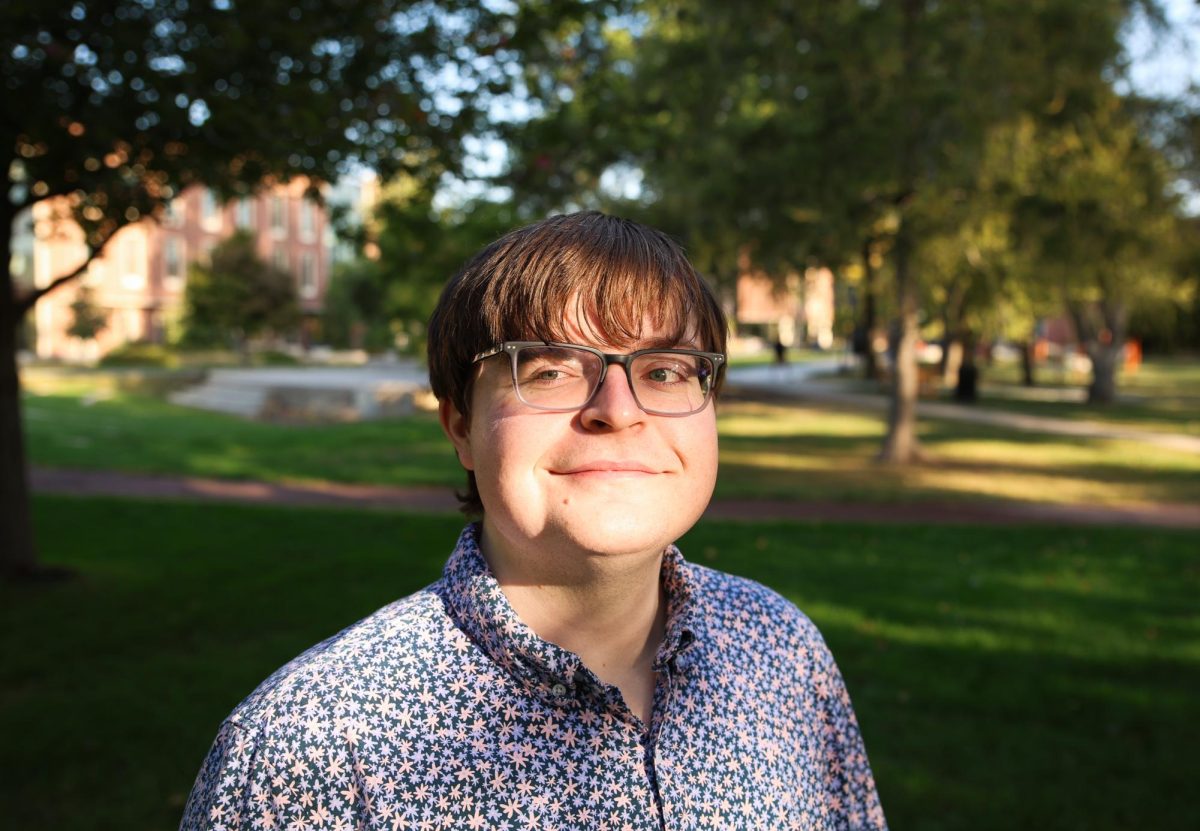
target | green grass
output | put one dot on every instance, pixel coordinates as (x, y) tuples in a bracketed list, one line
[(139, 433), (766, 451), (1162, 396), (808, 452), (1004, 677), (794, 356)]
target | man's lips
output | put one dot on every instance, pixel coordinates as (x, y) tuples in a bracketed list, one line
[(604, 466)]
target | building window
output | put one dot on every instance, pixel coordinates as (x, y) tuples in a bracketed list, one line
[(173, 213), (133, 261), (173, 261), (210, 211), (308, 275), (97, 272), (245, 212), (279, 256), (279, 216), (308, 220)]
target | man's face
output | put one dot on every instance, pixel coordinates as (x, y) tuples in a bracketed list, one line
[(607, 479)]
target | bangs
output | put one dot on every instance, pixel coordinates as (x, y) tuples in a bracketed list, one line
[(610, 280)]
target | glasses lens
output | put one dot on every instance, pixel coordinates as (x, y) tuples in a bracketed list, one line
[(556, 377), (672, 383)]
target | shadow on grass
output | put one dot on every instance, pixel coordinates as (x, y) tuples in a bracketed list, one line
[(1004, 677)]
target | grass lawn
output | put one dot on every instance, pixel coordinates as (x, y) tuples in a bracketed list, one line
[(1004, 677), (1162, 395), (808, 452), (767, 450)]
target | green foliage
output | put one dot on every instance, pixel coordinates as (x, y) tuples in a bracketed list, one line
[(354, 315), (780, 134), (140, 354), (384, 302), (118, 105), (236, 296), (87, 319)]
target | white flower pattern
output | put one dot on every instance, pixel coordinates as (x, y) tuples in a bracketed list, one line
[(443, 710)]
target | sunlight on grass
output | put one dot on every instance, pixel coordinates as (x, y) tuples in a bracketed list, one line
[(766, 450), (778, 450)]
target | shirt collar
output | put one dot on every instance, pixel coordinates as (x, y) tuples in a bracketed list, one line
[(479, 607)]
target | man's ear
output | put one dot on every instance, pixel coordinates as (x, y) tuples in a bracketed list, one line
[(457, 428)]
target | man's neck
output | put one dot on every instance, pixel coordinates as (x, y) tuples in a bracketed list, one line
[(608, 610)]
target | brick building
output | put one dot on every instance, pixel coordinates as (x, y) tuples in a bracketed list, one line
[(138, 280), (798, 311)]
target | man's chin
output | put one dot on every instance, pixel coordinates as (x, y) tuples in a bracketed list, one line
[(613, 532)]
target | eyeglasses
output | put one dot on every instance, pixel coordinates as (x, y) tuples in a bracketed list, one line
[(564, 376)]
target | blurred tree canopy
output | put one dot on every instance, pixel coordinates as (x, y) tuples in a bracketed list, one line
[(235, 297), (109, 109), (881, 135), (382, 301), (87, 319)]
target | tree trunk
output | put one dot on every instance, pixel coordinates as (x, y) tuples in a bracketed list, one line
[(18, 556), (954, 333), (901, 446), (1027, 356), (1105, 359), (870, 318), (1101, 328), (966, 376)]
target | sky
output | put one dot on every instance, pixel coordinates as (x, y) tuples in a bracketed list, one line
[(1167, 63)]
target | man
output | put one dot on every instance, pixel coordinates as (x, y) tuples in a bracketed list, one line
[(570, 669)]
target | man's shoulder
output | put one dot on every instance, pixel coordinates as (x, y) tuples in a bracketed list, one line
[(730, 602), (358, 664)]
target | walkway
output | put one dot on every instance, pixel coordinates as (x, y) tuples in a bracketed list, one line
[(441, 500)]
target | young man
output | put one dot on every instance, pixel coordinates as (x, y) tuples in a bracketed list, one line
[(570, 669)]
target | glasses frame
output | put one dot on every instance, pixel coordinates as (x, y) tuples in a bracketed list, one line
[(625, 360)]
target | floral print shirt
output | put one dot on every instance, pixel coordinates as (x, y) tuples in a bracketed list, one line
[(443, 710)]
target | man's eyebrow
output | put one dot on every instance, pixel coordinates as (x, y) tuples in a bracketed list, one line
[(668, 343)]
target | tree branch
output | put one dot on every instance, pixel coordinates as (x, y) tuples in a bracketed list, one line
[(29, 299)]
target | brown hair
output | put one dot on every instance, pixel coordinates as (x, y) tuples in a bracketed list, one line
[(616, 273)]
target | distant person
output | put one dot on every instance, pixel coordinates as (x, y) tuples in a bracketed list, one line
[(780, 352), (570, 669)]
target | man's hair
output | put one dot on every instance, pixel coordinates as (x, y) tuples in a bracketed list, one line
[(615, 274)]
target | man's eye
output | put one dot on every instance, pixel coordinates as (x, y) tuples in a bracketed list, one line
[(667, 375), (548, 374)]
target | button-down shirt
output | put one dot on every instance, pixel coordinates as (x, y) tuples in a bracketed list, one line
[(444, 710)]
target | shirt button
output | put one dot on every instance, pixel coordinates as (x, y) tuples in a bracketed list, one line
[(559, 690)]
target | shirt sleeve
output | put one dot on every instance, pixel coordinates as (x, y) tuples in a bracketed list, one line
[(251, 781), (849, 785)]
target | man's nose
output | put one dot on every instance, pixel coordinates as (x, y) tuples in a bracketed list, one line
[(613, 407)]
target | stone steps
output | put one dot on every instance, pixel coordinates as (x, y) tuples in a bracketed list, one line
[(224, 397), (299, 396)]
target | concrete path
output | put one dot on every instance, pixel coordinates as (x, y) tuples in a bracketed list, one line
[(801, 382), (441, 500)]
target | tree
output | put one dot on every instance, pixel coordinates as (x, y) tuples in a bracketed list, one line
[(236, 297), (418, 247), (111, 108), (797, 131), (1100, 222), (87, 319)]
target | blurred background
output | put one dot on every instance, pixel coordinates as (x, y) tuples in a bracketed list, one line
[(958, 244)]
